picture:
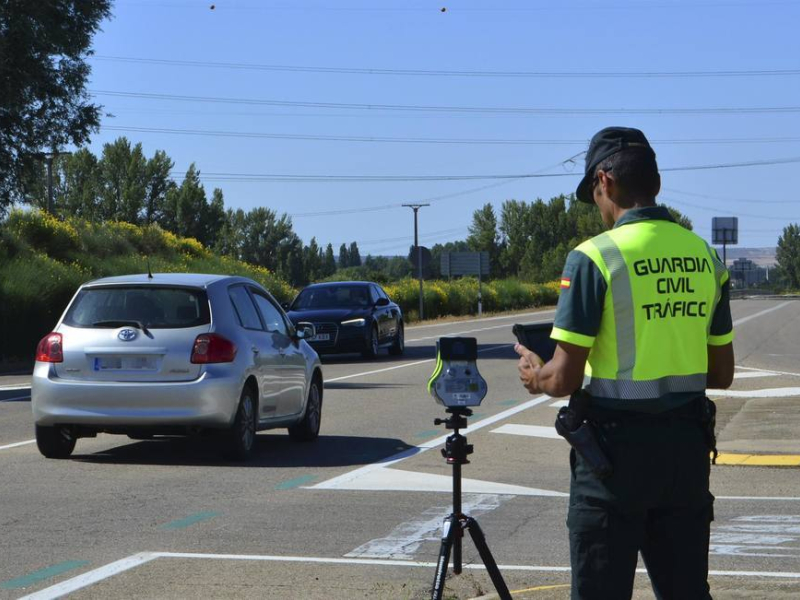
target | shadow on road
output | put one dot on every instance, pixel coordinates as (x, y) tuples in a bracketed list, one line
[(271, 451)]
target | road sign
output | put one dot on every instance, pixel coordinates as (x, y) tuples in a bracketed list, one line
[(465, 263), (725, 230), (414, 255)]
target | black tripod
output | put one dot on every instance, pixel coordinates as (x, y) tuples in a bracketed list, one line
[(456, 451)]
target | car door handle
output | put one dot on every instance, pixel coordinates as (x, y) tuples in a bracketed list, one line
[(255, 350)]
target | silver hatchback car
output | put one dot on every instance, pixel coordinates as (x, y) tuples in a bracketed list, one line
[(174, 354)]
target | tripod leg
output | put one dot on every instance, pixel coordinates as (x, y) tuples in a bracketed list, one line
[(451, 524), (486, 556), (457, 537)]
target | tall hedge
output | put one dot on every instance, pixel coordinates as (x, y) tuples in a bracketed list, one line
[(43, 261)]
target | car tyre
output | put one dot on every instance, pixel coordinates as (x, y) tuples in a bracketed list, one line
[(307, 429), (239, 441), (55, 442), (399, 345), (371, 351)]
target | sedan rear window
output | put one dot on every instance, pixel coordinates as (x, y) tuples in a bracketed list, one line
[(151, 306)]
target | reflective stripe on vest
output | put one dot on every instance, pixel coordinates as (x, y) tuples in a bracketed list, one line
[(645, 390)]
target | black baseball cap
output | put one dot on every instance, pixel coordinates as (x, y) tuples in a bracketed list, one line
[(605, 143)]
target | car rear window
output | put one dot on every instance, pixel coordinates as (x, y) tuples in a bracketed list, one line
[(152, 306)]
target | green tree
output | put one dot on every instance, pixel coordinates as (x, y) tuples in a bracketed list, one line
[(122, 178), (787, 256), (312, 260), (328, 262), (185, 207), (344, 257), (269, 241), (81, 186), (157, 185), (44, 104), (483, 235), (213, 218), (353, 256)]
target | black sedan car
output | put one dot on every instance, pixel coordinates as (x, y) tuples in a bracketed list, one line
[(350, 316)]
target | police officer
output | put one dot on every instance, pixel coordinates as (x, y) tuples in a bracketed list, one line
[(644, 315)]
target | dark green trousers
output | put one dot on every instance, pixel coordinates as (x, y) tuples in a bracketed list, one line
[(657, 502)]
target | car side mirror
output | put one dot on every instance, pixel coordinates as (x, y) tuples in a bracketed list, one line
[(305, 331), (382, 302)]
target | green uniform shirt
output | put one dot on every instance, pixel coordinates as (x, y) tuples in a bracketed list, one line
[(581, 305)]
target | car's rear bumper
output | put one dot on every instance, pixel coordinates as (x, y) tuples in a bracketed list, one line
[(208, 401)]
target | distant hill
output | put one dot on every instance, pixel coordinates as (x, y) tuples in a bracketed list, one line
[(763, 257)]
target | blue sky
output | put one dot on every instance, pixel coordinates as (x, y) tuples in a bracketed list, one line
[(574, 39)]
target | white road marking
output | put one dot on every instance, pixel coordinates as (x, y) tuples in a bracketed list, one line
[(396, 480), (767, 393), (529, 430), (509, 317), (346, 478), (411, 364), (770, 371), (758, 535), (14, 388), (92, 577), (760, 498), (105, 572), (7, 446), (738, 322), (405, 540), (455, 333), (753, 374), (365, 373)]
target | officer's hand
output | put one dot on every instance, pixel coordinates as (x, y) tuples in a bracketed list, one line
[(529, 366)]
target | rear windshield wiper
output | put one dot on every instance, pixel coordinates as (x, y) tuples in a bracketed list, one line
[(122, 323)]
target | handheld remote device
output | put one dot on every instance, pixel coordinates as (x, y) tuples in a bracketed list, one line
[(456, 381)]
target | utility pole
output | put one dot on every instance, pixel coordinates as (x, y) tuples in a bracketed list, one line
[(415, 208)]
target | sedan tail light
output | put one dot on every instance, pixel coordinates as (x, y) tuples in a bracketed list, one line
[(212, 348), (50, 349)]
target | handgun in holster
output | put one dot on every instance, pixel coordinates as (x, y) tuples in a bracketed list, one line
[(573, 426)]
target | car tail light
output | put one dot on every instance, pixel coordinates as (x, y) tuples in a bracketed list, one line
[(50, 349), (212, 348)]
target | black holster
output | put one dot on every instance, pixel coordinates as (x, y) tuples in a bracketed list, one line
[(573, 426), (708, 419)]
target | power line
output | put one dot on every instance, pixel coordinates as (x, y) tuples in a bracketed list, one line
[(727, 199), (450, 73), (738, 213), (422, 140), (457, 109), (270, 177)]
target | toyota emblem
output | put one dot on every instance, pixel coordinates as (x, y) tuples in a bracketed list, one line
[(127, 335)]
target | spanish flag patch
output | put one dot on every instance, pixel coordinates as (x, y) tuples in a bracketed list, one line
[(565, 283)]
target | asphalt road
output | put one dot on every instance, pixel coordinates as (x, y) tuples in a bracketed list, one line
[(357, 514)]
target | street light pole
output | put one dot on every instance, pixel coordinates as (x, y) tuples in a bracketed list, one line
[(415, 208), (48, 158)]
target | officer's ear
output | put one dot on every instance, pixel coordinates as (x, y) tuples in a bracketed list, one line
[(605, 179)]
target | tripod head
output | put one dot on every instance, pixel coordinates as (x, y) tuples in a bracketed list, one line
[(456, 449)]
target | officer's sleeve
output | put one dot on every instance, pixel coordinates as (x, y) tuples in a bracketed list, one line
[(580, 304), (721, 332)]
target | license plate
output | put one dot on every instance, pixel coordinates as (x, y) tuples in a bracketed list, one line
[(321, 337), (124, 363)]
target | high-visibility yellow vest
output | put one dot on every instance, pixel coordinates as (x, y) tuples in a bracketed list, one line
[(663, 286)]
